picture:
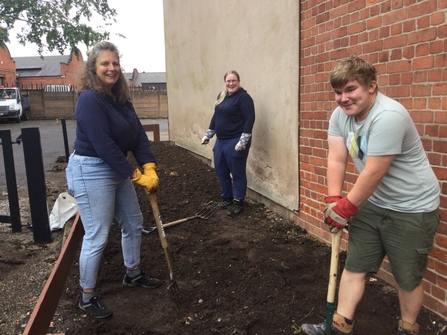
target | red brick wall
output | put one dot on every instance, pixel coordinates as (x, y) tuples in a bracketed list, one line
[(407, 41), (7, 68)]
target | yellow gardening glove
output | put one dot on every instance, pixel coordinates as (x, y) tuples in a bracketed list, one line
[(150, 183), (149, 170)]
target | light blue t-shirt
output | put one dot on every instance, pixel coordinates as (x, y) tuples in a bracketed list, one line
[(410, 184)]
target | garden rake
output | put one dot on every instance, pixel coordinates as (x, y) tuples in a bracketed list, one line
[(203, 214), (172, 286)]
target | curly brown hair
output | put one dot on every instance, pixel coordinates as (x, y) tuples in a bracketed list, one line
[(89, 79)]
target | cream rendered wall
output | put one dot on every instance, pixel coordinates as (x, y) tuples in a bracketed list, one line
[(259, 39)]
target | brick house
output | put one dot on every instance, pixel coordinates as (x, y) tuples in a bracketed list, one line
[(37, 72), (7, 69)]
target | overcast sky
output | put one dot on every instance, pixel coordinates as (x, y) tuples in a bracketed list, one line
[(141, 21)]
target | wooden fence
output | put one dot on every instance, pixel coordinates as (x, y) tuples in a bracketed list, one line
[(46, 104)]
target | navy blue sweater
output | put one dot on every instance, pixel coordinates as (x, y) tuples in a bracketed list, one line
[(234, 115), (109, 131)]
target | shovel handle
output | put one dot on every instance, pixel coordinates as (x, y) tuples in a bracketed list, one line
[(333, 274)]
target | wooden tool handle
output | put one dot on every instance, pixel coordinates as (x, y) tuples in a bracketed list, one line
[(157, 217), (333, 272), (176, 222), (161, 232)]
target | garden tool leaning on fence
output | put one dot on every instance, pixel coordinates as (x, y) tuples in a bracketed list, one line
[(172, 286)]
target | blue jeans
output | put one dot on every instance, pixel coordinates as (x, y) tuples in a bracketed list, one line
[(101, 196)]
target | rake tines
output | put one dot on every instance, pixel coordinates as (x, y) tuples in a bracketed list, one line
[(206, 212), (203, 214)]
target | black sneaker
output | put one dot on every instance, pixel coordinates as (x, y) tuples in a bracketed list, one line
[(224, 203), (142, 280), (95, 308), (236, 208)]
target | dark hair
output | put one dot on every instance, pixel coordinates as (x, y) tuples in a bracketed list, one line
[(89, 79), (353, 68)]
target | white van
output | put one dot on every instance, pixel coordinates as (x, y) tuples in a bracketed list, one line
[(11, 104)]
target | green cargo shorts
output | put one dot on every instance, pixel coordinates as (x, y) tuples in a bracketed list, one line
[(405, 238)]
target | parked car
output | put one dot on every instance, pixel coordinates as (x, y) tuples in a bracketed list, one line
[(11, 104)]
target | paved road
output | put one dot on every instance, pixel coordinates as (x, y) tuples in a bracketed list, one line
[(52, 142)]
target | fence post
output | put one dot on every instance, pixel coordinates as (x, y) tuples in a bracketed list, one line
[(155, 128), (37, 192), (11, 182), (64, 132)]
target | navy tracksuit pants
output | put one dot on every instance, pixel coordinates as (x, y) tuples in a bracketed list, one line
[(230, 166)]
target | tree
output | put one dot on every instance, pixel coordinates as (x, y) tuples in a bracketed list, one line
[(54, 24)]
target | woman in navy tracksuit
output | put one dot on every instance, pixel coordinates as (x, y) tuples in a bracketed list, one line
[(232, 123)]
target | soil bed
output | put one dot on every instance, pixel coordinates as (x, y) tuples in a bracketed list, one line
[(255, 273)]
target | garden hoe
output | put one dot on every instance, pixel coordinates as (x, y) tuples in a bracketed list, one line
[(333, 274), (203, 214), (172, 286)]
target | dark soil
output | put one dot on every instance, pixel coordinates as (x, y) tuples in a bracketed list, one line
[(251, 274)]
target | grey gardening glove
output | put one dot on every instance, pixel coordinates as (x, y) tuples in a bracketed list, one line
[(245, 137), (208, 135)]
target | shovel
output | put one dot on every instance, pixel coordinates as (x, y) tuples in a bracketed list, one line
[(203, 214), (333, 273), (172, 286)]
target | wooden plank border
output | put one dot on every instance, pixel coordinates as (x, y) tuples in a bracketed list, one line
[(46, 305)]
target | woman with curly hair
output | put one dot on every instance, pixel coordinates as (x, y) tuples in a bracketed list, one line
[(100, 176)]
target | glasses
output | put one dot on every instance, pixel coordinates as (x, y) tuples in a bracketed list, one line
[(231, 81)]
